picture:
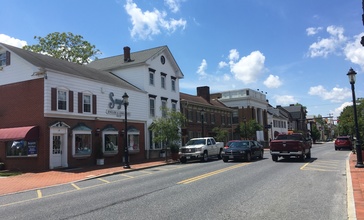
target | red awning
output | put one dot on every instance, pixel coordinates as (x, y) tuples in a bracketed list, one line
[(19, 133)]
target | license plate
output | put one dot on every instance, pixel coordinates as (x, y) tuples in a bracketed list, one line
[(231, 157), (188, 157)]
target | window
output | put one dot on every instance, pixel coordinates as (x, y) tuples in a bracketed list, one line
[(173, 83), (174, 105), (5, 59), (164, 108), (87, 103), (163, 80), (151, 106), (81, 140), (133, 140), (21, 148), (62, 100), (212, 117), (111, 143), (82, 143), (151, 76)]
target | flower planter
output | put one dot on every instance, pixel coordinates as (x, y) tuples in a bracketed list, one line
[(100, 161)]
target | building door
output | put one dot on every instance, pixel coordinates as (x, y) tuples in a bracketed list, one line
[(56, 150)]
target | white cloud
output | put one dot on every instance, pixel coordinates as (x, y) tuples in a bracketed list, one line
[(174, 5), (312, 31), (324, 47), (338, 110), (12, 41), (247, 69), (272, 81), (284, 99), (354, 51), (233, 55), (222, 64), (335, 95), (201, 71), (149, 23)]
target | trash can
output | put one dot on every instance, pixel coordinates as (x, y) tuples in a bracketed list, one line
[(162, 153)]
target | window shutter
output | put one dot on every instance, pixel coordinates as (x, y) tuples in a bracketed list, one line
[(70, 98), (80, 102), (7, 58), (94, 105), (53, 99)]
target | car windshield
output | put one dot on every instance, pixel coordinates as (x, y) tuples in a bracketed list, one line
[(196, 142), (240, 144)]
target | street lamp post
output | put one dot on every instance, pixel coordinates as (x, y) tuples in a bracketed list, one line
[(126, 150), (359, 162), (202, 122)]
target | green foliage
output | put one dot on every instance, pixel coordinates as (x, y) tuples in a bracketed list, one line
[(166, 130), (248, 129), (346, 123), (221, 134), (315, 133), (65, 46)]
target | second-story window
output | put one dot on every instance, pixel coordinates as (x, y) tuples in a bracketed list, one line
[(151, 76), (87, 103), (151, 106), (173, 83), (163, 80), (62, 100), (164, 108), (174, 105)]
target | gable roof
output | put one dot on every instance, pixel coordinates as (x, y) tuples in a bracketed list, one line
[(136, 58), (63, 66), (198, 100)]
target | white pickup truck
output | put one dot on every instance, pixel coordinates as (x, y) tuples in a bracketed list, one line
[(200, 148)]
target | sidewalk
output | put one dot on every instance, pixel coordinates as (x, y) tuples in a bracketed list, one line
[(31, 181)]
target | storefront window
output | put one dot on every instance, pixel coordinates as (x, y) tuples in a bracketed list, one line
[(21, 148), (133, 140), (111, 143), (82, 144)]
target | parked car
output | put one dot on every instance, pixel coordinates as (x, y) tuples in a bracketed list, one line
[(242, 150), (229, 143), (343, 142)]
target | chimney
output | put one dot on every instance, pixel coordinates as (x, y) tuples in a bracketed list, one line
[(127, 54), (204, 92)]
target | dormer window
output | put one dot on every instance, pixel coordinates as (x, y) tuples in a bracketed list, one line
[(5, 58)]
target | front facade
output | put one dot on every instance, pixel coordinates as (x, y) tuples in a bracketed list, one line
[(247, 105), (154, 71), (203, 114), (279, 121), (57, 114)]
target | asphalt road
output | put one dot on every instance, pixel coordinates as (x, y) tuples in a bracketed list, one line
[(261, 189)]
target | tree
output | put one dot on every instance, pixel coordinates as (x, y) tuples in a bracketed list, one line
[(166, 130), (65, 46), (248, 129), (315, 133), (221, 134), (346, 123)]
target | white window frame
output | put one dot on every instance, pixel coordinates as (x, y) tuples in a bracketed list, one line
[(84, 102), (173, 84), (66, 99), (151, 78), (3, 59), (163, 81), (164, 108), (152, 108)]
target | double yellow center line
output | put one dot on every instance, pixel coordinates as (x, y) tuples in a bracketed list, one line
[(193, 179)]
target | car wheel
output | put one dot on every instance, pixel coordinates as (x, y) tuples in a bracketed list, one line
[(219, 155), (308, 155), (335, 148), (275, 158), (261, 154), (225, 159), (303, 157), (248, 157), (183, 160), (205, 157)]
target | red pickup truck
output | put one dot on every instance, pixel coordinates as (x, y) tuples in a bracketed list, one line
[(290, 145)]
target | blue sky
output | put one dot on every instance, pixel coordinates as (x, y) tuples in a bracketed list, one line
[(295, 51)]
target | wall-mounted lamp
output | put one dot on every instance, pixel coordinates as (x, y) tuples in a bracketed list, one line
[(97, 131)]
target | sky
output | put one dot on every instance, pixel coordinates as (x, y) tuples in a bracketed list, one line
[(294, 51)]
